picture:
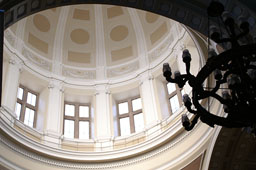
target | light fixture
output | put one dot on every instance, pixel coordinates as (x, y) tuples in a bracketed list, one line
[(233, 70)]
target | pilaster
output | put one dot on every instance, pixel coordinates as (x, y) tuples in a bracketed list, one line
[(148, 98), (53, 130), (12, 83), (103, 112)]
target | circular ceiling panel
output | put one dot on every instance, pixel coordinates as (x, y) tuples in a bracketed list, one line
[(119, 33), (41, 23), (80, 36)]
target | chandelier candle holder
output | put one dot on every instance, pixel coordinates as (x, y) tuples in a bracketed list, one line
[(235, 69)]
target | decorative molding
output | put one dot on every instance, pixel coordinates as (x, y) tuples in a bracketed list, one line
[(182, 46), (120, 71), (55, 84), (166, 130), (108, 92), (10, 37), (116, 164), (16, 63), (36, 60), (78, 73), (12, 61)]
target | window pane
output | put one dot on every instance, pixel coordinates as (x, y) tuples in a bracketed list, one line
[(29, 117), (17, 110), (138, 122), (171, 87), (84, 130), (69, 110), (83, 111), (136, 104), (69, 129), (31, 99), (174, 103), (125, 126), (20, 93), (123, 108)]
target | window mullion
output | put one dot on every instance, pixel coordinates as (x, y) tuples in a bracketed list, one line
[(24, 104), (119, 126), (76, 129), (137, 112), (90, 135), (172, 94), (123, 115), (132, 127), (179, 96)]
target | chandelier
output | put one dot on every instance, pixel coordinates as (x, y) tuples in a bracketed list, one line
[(234, 72)]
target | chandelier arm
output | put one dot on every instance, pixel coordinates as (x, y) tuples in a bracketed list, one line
[(191, 110), (169, 79), (224, 67), (188, 68), (216, 61), (212, 119), (217, 86), (220, 99), (225, 76), (207, 94), (192, 123)]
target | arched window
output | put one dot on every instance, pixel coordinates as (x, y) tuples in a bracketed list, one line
[(77, 120), (27, 106), (130, 116)]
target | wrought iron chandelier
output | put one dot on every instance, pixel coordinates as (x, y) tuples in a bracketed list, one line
[(234, 70)]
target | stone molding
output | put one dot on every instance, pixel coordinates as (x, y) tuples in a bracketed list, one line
[(116, 164)]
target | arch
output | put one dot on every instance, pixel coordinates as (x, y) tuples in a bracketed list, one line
[(191, 13)]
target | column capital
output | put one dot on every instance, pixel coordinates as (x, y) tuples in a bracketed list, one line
[(56, 84), (182, 46), (16, 63), (146, 76)]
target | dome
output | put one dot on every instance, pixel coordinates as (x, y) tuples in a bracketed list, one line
[(83, 85), (95, 42)]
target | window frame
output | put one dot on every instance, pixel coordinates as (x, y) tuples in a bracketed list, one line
[(169, 96), (76, 118), (25, 105), (130, 114)]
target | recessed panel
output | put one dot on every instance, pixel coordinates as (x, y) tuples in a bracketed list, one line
[(159, 33), (151, 17), (114, 12), (78, 57), (37, 43), (81, 14), (121, 53)]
